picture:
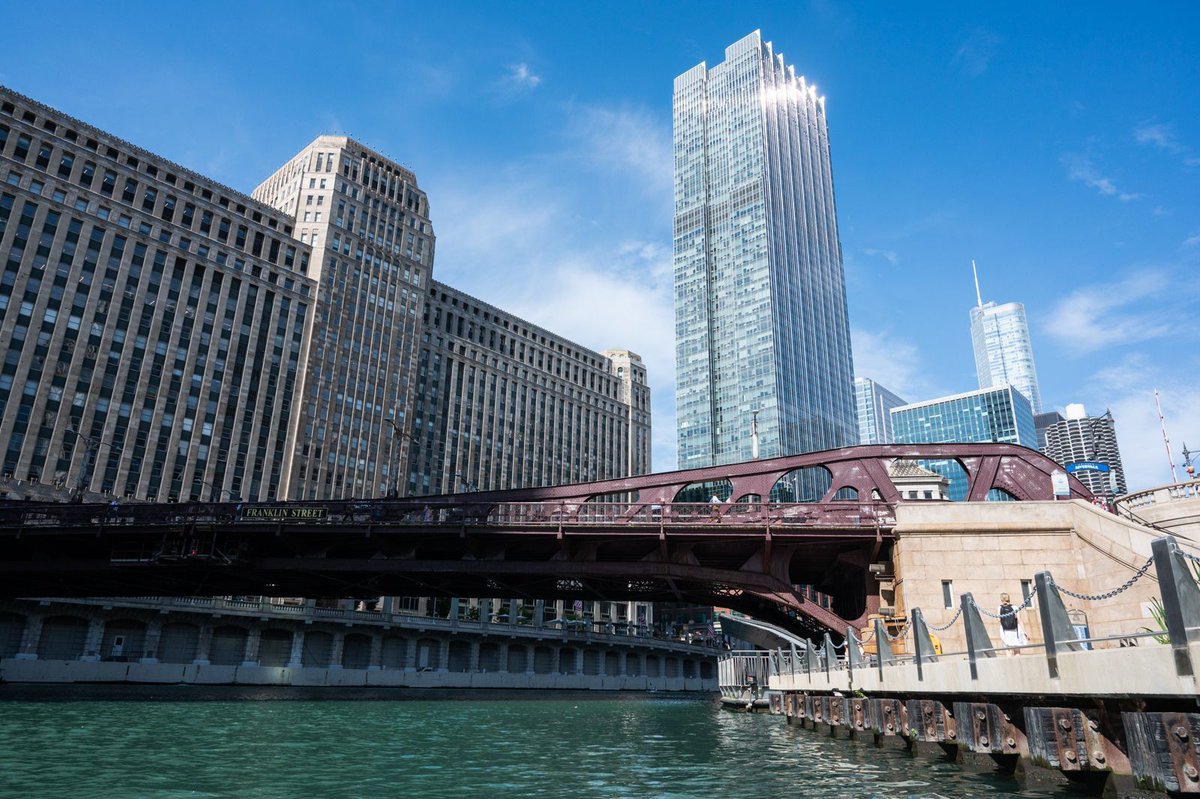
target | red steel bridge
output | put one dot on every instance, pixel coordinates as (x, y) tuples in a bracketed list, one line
[(625, 539)]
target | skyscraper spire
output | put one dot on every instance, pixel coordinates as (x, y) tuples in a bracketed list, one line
[(975, 272)]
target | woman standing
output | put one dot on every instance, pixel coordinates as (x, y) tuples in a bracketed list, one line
[(1012, 634)]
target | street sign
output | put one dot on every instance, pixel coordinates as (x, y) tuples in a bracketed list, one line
[(1060, 483), (1087, 466)]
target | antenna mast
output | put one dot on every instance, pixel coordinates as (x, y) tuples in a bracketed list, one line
[(975, 272), (1166, 443)]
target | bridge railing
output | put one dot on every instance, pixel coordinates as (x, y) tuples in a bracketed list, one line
[(456, 514), (1176, 613)]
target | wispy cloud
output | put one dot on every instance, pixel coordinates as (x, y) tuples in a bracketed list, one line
[(1081, 169), (1126, 387), (888, 255), (1129, 311), (1192, 240), (976, 52), (627, 139), (1163, 137), (894, 362), (522, 75)]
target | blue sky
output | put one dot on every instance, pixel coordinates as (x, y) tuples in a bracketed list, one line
[(1056, 144)]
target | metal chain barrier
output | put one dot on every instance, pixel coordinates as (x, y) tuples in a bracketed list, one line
[(1188, 555), (839, 647), (1026, 604), (898, 636), (948, 624), (1110, 594)]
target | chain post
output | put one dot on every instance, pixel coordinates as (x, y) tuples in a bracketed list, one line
[(810, 659), (1056, 625), (795, 657), (1180, 600), (883, 649), (854, 656), (830, 655), (978, 641), (922, 643)]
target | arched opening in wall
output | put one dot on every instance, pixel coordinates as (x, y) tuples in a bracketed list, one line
[(228, 646), (612, 664), (846, 494), (62, 638), (567, 660), (318, 646), (543, 660), (1000, 495), (178, 642), (489, 657), (429, 655), (689, 669), (356, 651), (704, 492), (12, 630), (518, 659), (591, 662), (392, 652), (274, 647), (633, 664), (806, 484), (458, 658), (653, 666), (672, 668), (706, 669), (123, 640)]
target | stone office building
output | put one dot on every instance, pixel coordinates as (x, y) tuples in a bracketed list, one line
[(168, 337), (151, 320)]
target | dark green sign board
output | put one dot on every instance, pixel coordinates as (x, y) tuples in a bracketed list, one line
[(283, 513)]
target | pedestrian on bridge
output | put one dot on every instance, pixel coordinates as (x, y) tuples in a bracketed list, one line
[(1012, 632)]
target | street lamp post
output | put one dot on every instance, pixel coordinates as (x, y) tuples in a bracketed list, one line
[(1188, 457), (397, 433)]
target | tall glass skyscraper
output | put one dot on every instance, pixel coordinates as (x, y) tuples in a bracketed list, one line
[(1002, 415), (1003, 351), (875, 405), (760, 297)]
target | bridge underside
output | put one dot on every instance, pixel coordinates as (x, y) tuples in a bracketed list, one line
[(765, 574)]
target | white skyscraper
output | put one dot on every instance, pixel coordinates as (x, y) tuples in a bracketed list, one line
[(1003, 352)]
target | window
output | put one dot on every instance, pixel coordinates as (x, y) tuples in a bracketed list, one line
[(948, 593), (1026, 590)]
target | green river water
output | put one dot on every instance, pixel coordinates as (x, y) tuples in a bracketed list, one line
[(187, 742)]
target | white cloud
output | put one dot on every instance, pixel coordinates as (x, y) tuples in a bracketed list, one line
[(522, 75), (1127, 389), (1192, 240), (627, 139), (888, 255), (893, 362), (976, 52), (1112, 314), (1157, 135), (1081, 169)]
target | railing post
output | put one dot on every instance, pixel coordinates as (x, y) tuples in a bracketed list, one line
[(810, 659), (922, 643), (1056, 625), (883, 649), (854, 655), (830, 655), (1180, 600), (978, 641), (795, 657)]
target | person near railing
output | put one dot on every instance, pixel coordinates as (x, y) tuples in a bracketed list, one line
[(1012, 632)]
